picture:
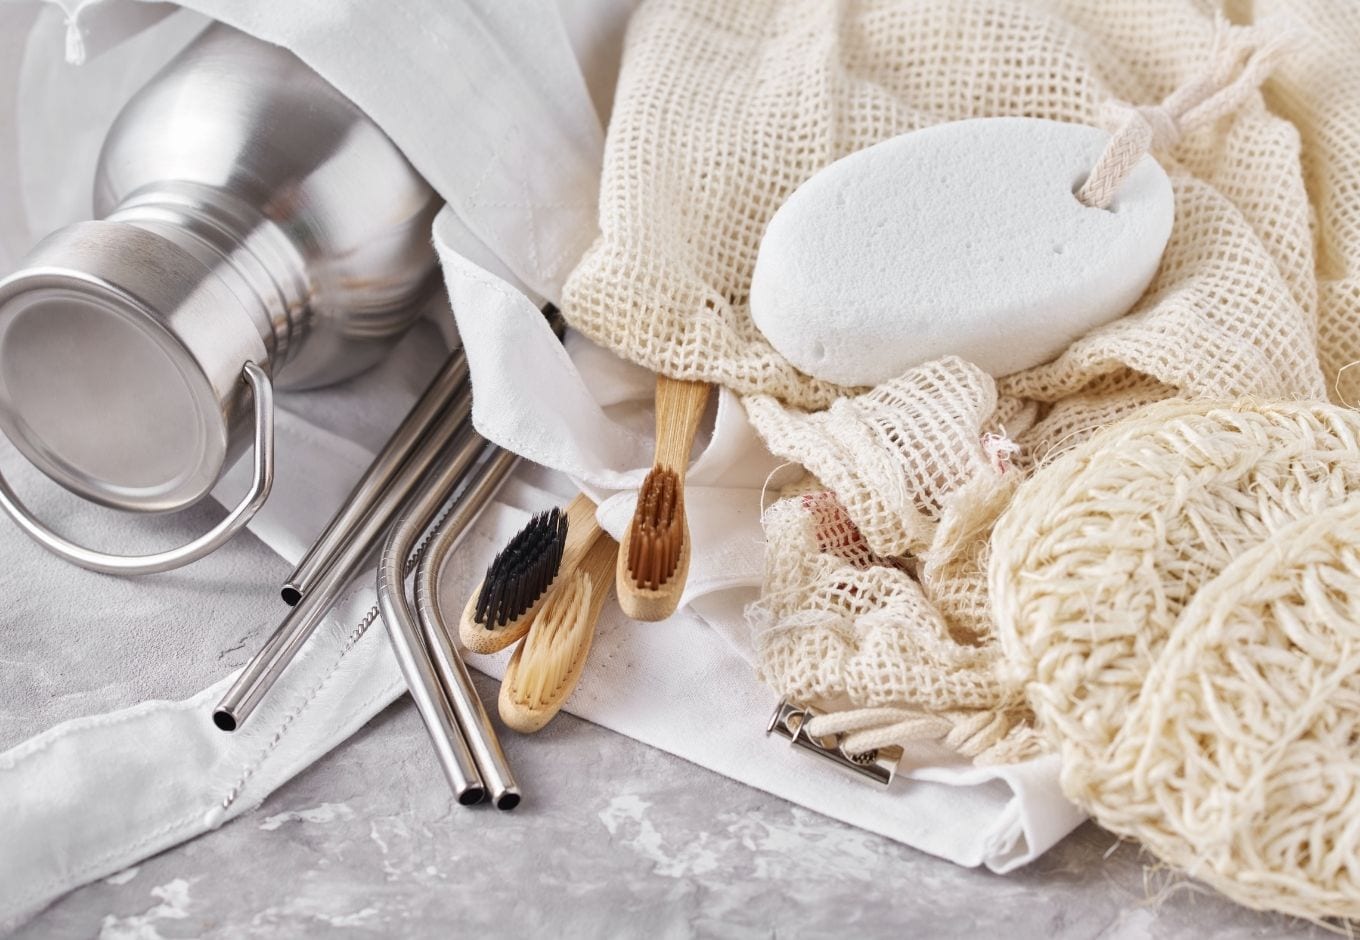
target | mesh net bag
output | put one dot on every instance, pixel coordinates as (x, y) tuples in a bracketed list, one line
[(725, 106)]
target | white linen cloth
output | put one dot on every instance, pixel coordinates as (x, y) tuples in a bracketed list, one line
[(492, 105)]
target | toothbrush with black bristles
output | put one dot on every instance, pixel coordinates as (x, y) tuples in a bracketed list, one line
[(523, 570), (500, 611)]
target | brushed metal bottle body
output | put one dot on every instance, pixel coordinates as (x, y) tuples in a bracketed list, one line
[(316, 213), (248, 212)]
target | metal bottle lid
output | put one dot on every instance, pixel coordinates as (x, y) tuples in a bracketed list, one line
[(120, 366)]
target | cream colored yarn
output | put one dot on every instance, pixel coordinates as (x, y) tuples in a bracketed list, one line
[(725, 106), (1180, 596)]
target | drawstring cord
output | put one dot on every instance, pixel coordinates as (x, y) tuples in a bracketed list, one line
[(867, 729), (1242, 57)]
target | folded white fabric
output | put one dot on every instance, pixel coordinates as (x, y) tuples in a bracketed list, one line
[(492, 106)]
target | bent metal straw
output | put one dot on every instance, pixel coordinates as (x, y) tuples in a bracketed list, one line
[(445, 695)]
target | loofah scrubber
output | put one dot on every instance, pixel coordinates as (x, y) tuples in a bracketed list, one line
[(1181, 597)]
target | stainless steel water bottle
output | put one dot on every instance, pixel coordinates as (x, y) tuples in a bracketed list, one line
[(255, 229)]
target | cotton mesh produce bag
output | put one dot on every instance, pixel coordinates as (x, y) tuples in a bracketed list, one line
[(875, 603)]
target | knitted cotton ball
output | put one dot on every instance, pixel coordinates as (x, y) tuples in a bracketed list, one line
[(1181, 597)]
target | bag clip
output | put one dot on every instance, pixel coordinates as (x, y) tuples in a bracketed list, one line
[(789, 720)]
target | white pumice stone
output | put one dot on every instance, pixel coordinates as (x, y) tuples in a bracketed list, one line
[(960, 239)]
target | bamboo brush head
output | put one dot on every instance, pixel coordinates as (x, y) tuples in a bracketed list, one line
[(547, 664), (499, 612), (654, 559)]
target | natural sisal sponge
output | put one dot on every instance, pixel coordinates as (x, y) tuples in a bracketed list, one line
[(1180, 597)]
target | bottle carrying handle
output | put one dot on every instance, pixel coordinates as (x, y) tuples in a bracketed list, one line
[(262, 391)]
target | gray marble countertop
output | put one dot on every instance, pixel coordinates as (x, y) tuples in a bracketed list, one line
[(614, 839)]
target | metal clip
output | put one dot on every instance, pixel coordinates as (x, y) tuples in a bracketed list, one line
[(789, 720)]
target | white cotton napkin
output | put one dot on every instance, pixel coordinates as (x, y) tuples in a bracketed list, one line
[(491, 104)]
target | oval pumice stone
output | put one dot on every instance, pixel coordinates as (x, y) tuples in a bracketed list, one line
[(960, 239)]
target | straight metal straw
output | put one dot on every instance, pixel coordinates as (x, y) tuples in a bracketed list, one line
[(453, 672), (279, 650), (443, 703), (344, 526)]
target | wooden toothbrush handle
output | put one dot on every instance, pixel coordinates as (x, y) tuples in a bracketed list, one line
[(679, 406)]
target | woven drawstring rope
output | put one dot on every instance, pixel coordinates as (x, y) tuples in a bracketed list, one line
[(862, 730), (867, 729), (1242, 57)]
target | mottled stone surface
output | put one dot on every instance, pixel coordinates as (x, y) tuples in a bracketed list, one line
[(613, 839)]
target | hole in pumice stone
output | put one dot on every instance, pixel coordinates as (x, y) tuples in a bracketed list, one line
[(1076, 190)]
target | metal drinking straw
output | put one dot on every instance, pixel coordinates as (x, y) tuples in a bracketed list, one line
[(346, 525), (452, 671), (357, 532), (439, 682), (279, 650)]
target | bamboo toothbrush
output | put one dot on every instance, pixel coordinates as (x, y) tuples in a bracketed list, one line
[(654, 556), (516, 585), (547, 663)]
